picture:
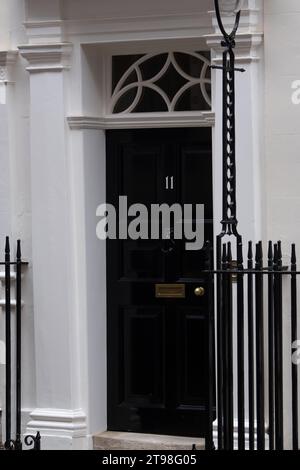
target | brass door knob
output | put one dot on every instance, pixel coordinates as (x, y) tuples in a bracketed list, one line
[(199, 291)]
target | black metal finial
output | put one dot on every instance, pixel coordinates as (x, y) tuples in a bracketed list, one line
[(293, 256), (18, 249), (279, 250), (250, 251), (259, 253), (229, 254), (240, 257), (270, 252), (224, 254), (7, 245)]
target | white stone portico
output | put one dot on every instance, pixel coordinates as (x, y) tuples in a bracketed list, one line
[(55, 74)]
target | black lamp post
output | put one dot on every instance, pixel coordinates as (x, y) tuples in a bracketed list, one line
[(229, 8), (229, 223), (231, 308)]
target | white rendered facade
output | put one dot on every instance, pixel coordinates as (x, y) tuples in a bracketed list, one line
[(54, 76)]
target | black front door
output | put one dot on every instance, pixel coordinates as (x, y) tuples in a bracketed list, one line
[(157, 346)]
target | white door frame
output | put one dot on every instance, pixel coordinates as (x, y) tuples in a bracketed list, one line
[(88, 147), (93, 128)]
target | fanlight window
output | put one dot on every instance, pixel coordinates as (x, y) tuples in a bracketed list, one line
[(166, 82)]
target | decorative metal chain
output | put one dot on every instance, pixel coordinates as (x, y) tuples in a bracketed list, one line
[(229, 220)]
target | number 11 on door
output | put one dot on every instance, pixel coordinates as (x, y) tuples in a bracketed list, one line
[(169, 182)]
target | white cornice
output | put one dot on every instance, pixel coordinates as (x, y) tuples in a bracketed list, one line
[(106, 29), (117, 24), (249, 37), (246, 51), (42, 23), (249, 22), (8, 58), (86, 122), (139, 121), (251, 19), (47, 57)]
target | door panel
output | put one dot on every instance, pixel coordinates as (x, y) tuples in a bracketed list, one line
[(140, 170), (192, 355), (141, 259), (141, 356), (157, 347)]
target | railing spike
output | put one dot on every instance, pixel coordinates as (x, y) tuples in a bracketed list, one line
[(275, 254), (240, 347), (293, 256), (271, 346), (270, 251), (260, 251), (251, 359), (224, 253), (279, 251), (7, 245), (229, 252), (8, 407), (294, 338), (18, 441), (18, 249), (240, 254), (250, 251), (260, 386), (256, 253), (278, 347)]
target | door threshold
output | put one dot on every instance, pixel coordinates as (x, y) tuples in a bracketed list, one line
[(116, 440)]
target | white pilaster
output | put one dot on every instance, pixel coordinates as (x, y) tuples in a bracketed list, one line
[(7, 61), (60, 412), (249, 105), (88, 153)]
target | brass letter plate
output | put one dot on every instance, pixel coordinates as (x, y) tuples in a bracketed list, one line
[(170, 291)]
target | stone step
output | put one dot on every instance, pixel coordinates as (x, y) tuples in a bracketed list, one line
[(111, 440)]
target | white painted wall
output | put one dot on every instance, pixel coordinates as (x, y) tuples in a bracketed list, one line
[(55, 184), (15, 190), (282, 118), (64, 172), (72, 9), (57, 175), (282, 137)]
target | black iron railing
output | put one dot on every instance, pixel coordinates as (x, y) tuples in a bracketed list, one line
[(244, 298), (14, 442), (249, 329)]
